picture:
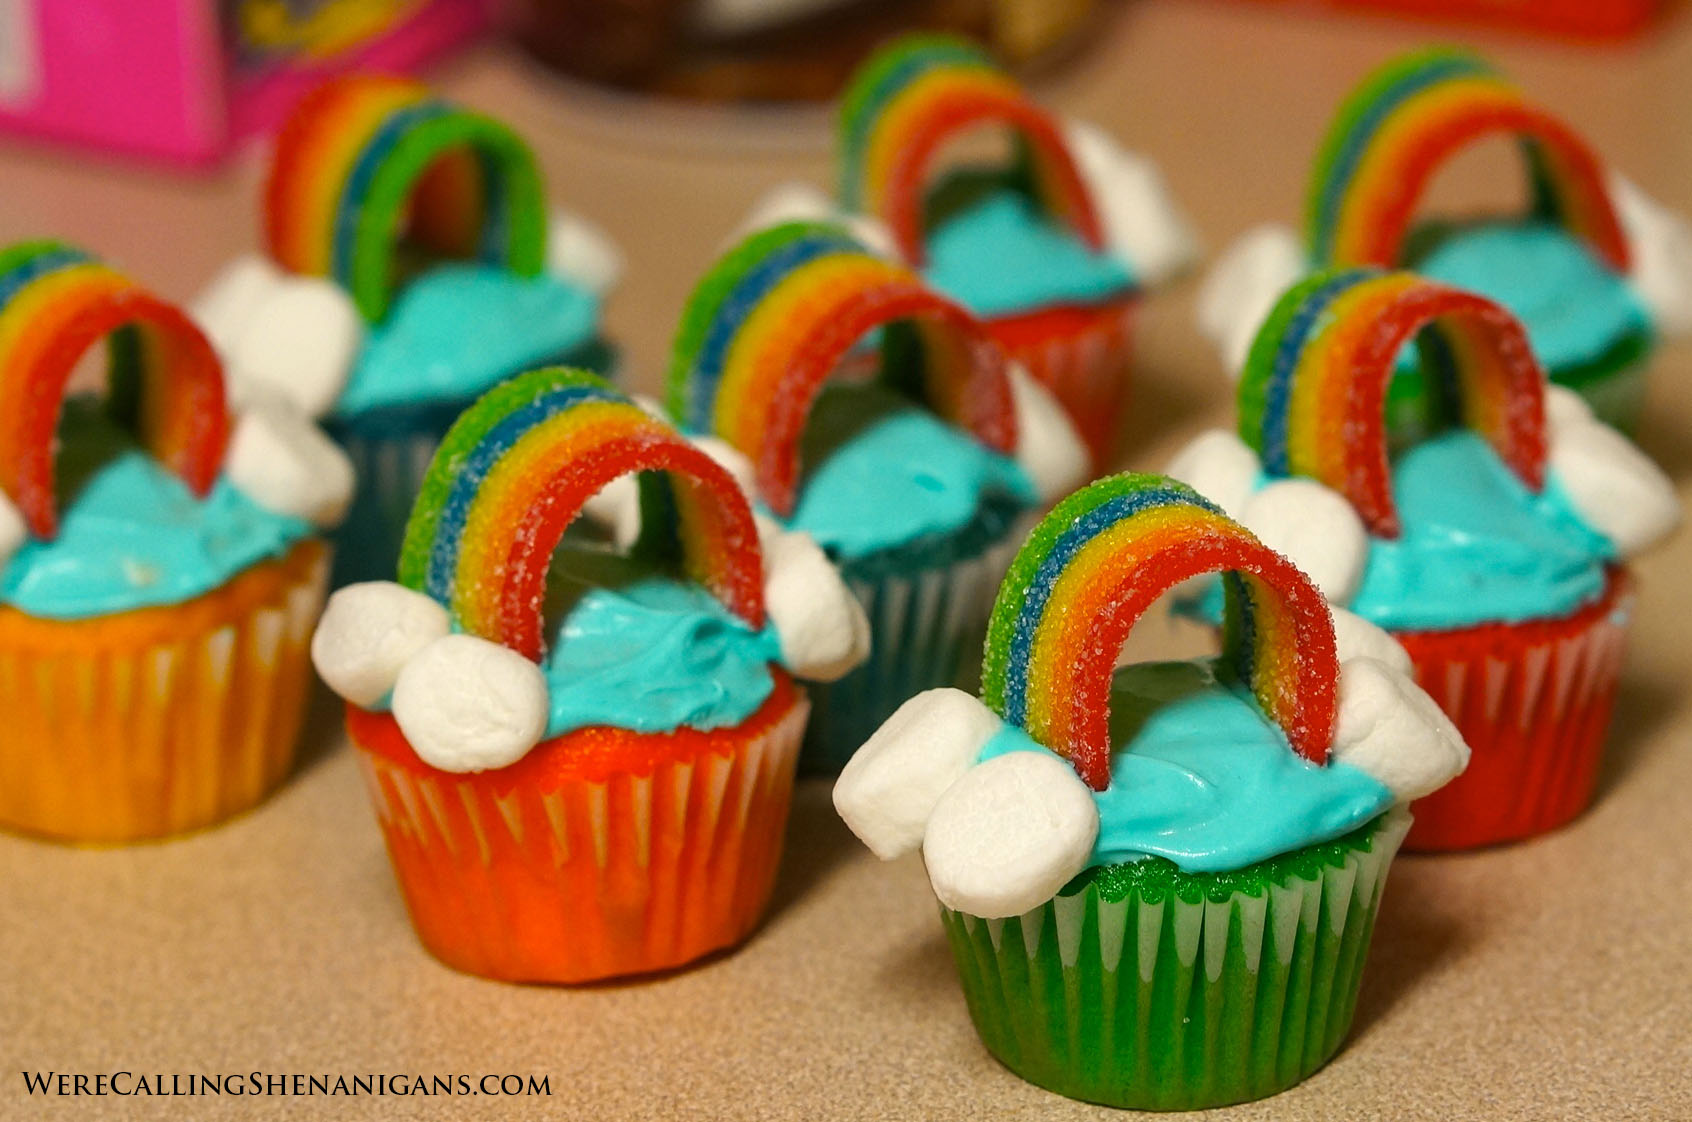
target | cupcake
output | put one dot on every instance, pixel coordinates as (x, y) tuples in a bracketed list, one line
[(159, 563), (1595, 270), (411, 264), (913, 472), (1494, 549), (1158, 882), (581, 757), (1050, 248)]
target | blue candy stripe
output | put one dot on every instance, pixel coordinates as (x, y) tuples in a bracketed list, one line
[(908, 70), (1277, 393), (370, 160), (32, 269)]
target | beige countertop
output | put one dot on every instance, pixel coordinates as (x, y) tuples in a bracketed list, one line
[(1551, 980)]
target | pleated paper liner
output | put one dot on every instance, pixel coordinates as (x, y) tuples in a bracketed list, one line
[(1533, 700), (602, 853), (1152, 989), (928, 615), (1082, 354), (152, 722)]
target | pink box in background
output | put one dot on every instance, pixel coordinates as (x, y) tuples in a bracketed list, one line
[(187, 79)]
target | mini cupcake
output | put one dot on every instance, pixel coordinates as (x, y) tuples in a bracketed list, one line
[(1494, 550), (1051, 249), (1595, 271), (159, 567), (412, 264), (919, 506), (582, 759), (1158, 882)]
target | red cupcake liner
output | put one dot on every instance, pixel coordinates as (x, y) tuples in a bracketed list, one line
[(601, 853), (1082, 356), (1533, 700)]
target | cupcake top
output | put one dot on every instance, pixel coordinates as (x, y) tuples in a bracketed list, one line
[(938, 438), (1592, 271), (504, 631), (1515, 509), (156, 495), (411, 259), (1296, 734)]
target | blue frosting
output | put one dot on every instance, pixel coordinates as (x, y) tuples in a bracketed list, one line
[(132, 535), (1001, 255), (1202, 777), (1476, 545), (458, 329), (1575, 308), (887, 473)]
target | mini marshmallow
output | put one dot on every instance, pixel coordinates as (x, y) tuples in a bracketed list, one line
[(795, 201), (888, 789), (1242, 289), (467, 704), (616, 507), (13, 530), (300, 342), (1356, 637), (823, 630), (225, 306), (1220, 466), (1008, 834), (1614, 487), (368, 633), (1564, 408), (284, 463), (1047, 446), (1138, 213), (1314, 528), (1661, 244), (1389, 728), (578, 250), (730, 459)]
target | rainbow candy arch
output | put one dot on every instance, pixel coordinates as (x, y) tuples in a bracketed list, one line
[(515, 470), (55, 303), (913, 97), (1395, 132), (772, 320), (365, 159), (1090, 570), (1312, 399)]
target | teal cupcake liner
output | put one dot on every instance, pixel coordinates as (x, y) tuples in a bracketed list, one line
[(1142, 987)]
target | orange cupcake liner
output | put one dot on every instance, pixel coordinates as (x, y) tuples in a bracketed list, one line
[(1082, 356), (601, 853), (1533, 701), (152, 722)]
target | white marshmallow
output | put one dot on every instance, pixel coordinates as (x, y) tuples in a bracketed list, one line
[(1565, 408), (795, 201), (824, 632), (1047, 446), (284, 463), (1356, 637), (1008, 834), (1391, 729), (579, 251), (730, 459), (300, 343), (616, 507), (13, 530), (1242, 288), (1661, 243), (1314, 528), (226, 305), (1614, 487), (466, 704), (1135, 207), (888, 789), (1220, 466), (368, 633)]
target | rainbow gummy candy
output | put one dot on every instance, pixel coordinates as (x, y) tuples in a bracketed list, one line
[(772, 319), (1312, 399), (55, 303), (1401, 125), (1091, 569), (363, 155), (914, 96), (513, 473)]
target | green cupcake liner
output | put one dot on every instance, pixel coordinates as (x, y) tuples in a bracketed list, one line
[(1143, 987)]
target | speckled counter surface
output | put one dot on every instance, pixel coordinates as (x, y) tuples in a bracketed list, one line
[(1547, 981)]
